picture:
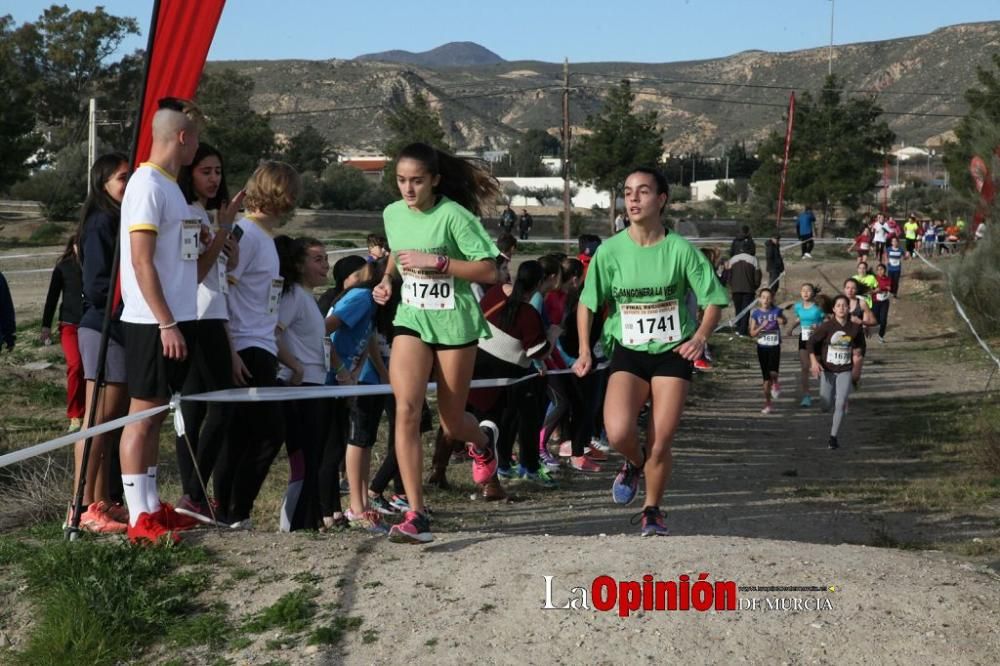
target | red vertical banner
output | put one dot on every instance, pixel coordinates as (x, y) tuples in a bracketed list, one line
[(180, 35), (784, 163), (885, 187)]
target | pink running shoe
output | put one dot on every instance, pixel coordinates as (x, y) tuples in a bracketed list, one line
[(484, 463)]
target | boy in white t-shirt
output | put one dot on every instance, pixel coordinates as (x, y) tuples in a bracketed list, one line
[(159, 252)]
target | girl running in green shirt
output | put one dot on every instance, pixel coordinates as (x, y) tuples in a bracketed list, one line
[(642, 275), (439, 248)]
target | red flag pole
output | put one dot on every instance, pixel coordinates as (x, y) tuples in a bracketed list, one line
[(784, 165)]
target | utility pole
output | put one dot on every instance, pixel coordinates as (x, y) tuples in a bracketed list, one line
[(91, 139), (567, 203), (829, 70)]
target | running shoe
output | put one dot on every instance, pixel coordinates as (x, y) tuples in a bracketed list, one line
[(652, 523), (335, 523), (491, 491), (150, 532), (806, 401), (881, 339), (601, 444), (506, 472), (484, 462), (701, 365), (197, 510), (595, 454), (118, 512), (807, 256), (244, 525), (584, 464), (833, 443), (98, 519), (369, 520), (626, 484), (415, 528), (401, 503), (767, 409), (172, 520), (548, 460), (566, 449), (541, 477), (775, 391), (382, 505)]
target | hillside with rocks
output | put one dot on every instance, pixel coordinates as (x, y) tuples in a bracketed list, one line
[(702, 105)]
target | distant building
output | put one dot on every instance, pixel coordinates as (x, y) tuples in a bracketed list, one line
[(585, 197), (704, 190), (370, 164)]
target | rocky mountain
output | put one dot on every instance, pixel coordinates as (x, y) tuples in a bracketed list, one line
[(452, 54), (702, 105)]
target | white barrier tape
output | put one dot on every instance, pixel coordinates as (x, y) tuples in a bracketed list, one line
[(278, 393), (26, 271), (28, 256), (961, 311), (79, 436)]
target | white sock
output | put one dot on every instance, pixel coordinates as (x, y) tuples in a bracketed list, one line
[(135, 495), (152, 493)]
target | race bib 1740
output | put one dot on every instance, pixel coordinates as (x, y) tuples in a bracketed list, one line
[(428, 290), (650, 322)]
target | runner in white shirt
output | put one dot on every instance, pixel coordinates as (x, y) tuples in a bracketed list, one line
[(159, 283), (256, 431)]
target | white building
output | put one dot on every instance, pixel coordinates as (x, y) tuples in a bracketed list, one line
[(704, 190), (586, 196)]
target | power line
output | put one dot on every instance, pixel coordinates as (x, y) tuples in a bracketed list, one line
[(766, 86)]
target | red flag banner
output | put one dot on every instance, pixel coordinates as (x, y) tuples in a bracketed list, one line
[(784, 164), (180, 36)]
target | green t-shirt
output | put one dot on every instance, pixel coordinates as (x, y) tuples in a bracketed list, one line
[(646, 290), (910, 230), (441, 308)]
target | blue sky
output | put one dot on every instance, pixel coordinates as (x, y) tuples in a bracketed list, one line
[(582, 30)]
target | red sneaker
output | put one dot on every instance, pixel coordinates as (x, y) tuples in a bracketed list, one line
[(149, 532), (595, 454), (118, 512), (172, 520), (98, 519)]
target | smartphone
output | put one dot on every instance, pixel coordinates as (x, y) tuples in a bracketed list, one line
[(237, 233)]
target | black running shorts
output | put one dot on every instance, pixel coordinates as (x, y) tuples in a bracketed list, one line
[(150, 375), (645, 366)]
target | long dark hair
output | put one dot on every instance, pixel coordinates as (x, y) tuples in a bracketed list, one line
[(465, 181), (185, 179), (69, 252), (291, 254), (99, 201), (529, 275)]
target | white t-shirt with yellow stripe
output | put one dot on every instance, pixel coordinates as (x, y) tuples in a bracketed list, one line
[(154, 202)]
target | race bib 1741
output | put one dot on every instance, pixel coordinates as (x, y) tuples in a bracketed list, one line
[(650, 322), (428, 290)]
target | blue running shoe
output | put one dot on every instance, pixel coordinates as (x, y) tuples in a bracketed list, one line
[(626, 484), (652, 522)]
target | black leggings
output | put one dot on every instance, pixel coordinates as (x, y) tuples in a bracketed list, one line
[(255, 436), (334, 449), (572, 398), (205, 423), (519, 409), (304, 421), (881, 311)]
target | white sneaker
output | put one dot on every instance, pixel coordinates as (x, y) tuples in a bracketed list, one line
[(807, 256)]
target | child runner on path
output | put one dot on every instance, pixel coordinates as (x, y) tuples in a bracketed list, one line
[(643, 274), (764, 325), (808, 315), (894, 261), (831, 354), (439, 247), (880, 308)]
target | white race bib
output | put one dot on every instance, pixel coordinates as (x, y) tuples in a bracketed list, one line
[(864, 247), (428, 290), (838, 356), (806, 333), (190, 232), (326, 352), (893, 262), (882, 296), (274, 295), (771, 339), (650, 322)]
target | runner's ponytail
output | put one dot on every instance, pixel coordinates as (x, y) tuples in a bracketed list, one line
[(465, 181), (529, 276)]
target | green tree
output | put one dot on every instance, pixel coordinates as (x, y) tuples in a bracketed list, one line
[(409, 123), (837, 148), (620, 140), (308, 151), (18, 140), (525, 156), (65, 57), (243, 136), (344, 187), (741, 163), (978, 132)]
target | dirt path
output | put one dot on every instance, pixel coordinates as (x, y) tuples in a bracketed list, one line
[(476, 595), (743, 507)]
